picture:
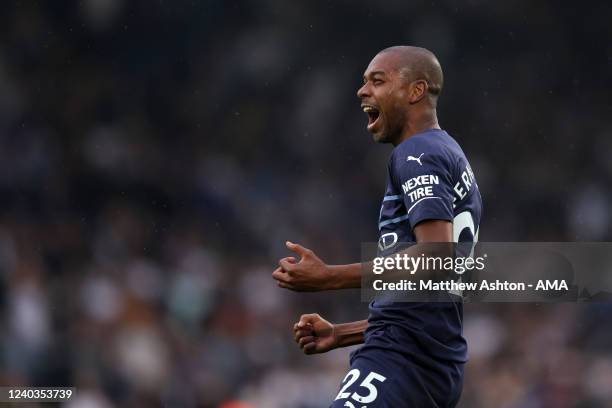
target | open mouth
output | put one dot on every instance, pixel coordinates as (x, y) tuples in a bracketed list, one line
[(373, 115)]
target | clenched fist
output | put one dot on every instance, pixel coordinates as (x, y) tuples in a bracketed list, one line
[(315, 334)]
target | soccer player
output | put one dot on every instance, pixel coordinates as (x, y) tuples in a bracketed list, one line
[(413, 354)]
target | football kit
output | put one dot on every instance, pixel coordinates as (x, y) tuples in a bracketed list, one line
[(414, 352)]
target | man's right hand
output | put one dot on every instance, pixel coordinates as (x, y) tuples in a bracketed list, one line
[(308, 274), (315, 334)]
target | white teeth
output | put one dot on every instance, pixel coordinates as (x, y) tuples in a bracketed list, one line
[(368, 109)]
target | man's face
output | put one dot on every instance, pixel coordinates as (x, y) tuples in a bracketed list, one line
[(384, 97)]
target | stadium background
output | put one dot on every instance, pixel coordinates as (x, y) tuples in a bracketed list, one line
[(154, 157)]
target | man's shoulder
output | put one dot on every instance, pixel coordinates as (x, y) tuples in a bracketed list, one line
[(433, 141), (435, 146)]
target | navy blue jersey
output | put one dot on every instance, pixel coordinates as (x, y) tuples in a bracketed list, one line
[(413, 354), (429, 178)]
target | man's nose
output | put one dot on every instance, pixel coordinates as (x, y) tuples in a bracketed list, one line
[(363, 91)]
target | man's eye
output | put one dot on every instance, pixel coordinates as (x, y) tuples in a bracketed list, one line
[(377, 81)]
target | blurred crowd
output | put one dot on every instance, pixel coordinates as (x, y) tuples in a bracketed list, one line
[(155, 156)]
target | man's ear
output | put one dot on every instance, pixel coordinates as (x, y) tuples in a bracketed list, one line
[(417, 90)]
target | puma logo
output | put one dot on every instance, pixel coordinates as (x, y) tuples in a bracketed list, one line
[(416, 159)]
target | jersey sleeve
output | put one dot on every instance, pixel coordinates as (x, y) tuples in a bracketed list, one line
[(425, 183)]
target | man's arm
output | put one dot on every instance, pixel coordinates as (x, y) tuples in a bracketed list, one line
[(312, 274)]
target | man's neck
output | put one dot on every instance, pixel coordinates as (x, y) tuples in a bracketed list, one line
[(419, 125)]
